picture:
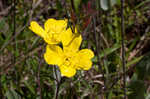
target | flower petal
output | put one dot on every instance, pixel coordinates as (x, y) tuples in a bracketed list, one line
[(53, 55), (86, 53), (74, 45), (50, 39), (84, 64), (36, 28), (66, 37), (67, 71), (54, 29), (84, 59), (55, 26)]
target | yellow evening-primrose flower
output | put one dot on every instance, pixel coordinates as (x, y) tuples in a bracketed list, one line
[(70, 58), (54, 31)]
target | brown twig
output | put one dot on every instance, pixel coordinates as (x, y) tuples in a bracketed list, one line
[(139, 46), (5, 11)]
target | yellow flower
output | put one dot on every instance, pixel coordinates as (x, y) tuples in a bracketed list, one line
[(54, 31), (70, 58)]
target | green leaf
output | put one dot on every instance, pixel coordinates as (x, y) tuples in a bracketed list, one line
[(113, 2), (137, 88), (76, 4), (29, 87), (143, 67), (58, 5), (110, 50), (135, 60), (141, 4), (12, 94), (2, 23), (110, 95)]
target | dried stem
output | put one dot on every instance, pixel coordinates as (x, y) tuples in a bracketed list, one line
[(14, 29), (38, 79), (123, 49), (58, 83), (97, 46)]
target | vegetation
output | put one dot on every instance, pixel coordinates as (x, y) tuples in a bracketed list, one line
[(24, 74)]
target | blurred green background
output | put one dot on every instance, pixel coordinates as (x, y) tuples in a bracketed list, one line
[(25, 75)]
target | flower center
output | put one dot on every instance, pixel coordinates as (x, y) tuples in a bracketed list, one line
[(67, 61)]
